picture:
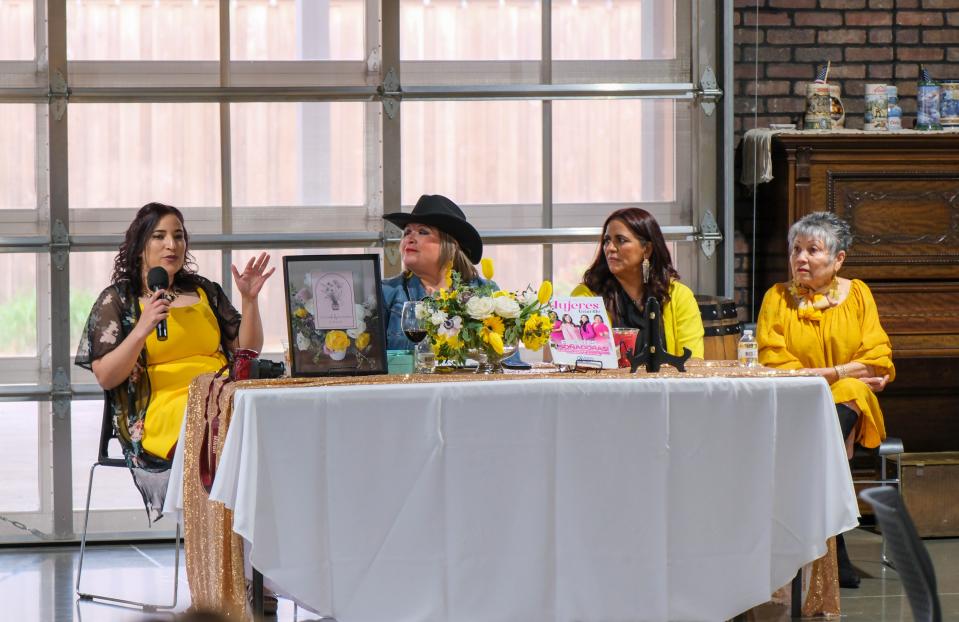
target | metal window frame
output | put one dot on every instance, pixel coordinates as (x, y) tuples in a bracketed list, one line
[(51, 83)]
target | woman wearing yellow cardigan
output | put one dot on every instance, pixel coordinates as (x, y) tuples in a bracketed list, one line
[(633, 263), (829, 326)]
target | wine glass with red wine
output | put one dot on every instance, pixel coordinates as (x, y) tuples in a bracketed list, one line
[(415, 330), (412, 326)]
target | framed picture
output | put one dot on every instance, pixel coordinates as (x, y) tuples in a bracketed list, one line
[(334, 316)]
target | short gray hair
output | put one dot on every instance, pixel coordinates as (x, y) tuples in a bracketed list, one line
[(832, 230)]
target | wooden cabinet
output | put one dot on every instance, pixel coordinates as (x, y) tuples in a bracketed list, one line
[(900, 194)]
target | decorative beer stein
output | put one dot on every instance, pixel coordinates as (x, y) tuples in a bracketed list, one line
[(877, 108), (894, 122), (818, 107), (949, 103)]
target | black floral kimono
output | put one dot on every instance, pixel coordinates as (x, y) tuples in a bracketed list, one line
[(112, 318)]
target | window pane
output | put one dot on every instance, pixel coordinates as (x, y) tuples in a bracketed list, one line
[(16, 30), (18, 304), (487, 155), (113, 489), (143, 29), (470, 30), (631, 29), (272, 300), (18, 141), (19, 446), (298, 154), (297, 30), (516, 266), (570, 262), (630, 151), (126, 155)]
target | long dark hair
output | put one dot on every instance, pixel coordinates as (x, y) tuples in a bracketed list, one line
[(599, 279), (128, 264)]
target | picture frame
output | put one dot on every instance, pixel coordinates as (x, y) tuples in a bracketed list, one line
[(334, 315)]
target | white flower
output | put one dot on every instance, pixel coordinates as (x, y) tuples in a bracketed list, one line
[(528, 297), (302, 342), (479, 307), (451, 327), (422, 311), (506, 307), (438, 317), (360, 311), (353, 333)]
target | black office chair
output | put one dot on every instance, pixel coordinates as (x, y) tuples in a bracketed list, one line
[(107, 433), (908, 553)]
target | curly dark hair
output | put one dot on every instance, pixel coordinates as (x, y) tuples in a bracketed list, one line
[(599, 279), (128, 264)]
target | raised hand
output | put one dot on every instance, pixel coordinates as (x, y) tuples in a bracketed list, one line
[(254, 275)]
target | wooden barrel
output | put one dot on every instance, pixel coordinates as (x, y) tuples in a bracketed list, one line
[(722, 327)]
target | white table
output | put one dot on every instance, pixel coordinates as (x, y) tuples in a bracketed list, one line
[(558, 499)]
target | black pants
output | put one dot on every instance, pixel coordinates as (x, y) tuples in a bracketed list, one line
[(847, 419)]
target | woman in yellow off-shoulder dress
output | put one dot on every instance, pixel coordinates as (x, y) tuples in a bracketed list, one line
[(829, 326)]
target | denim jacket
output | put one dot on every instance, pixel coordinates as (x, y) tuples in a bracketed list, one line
[(395, 294)]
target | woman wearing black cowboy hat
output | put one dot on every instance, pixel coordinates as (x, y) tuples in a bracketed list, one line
[(436, 236)]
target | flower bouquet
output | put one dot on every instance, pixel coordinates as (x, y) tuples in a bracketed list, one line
[(482, 322)]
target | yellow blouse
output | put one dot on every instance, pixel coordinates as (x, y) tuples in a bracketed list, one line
[(682, 322), (192, 348), (848, 332)]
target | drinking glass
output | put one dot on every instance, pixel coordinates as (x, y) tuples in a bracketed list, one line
[(415, 330)]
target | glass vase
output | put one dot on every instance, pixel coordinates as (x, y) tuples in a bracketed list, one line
[(488, 361)]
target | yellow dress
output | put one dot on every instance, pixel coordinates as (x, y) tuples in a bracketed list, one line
[(848, 332), (192, 348), (682, 321)]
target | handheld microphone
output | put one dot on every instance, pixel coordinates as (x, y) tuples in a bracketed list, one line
[(158, 279)]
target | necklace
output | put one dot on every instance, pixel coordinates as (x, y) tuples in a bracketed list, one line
[(171, 295)]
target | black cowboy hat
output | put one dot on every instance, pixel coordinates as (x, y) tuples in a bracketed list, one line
[(438, 211)]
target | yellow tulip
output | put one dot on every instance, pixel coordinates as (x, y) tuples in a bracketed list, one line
[(487, 266), (300, 312), (496, 342), (545, 292)]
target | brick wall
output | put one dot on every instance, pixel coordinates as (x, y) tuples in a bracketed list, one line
[(866, 40)]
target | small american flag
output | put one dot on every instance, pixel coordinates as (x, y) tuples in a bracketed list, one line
[(822, 73), (924, 74)]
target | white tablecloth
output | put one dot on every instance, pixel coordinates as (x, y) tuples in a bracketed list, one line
[(593, 499)]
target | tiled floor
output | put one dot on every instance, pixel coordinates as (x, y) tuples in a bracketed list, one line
[(38, 583)]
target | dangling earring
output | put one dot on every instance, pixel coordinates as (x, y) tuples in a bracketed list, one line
[(646, 270)]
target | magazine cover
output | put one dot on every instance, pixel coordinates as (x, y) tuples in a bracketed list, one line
[(581, 330)]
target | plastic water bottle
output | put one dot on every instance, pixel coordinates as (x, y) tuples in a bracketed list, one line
[(748, 350)]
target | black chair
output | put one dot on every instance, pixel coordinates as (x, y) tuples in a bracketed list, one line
[(908, 553), (107, 434), (890, 447)]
